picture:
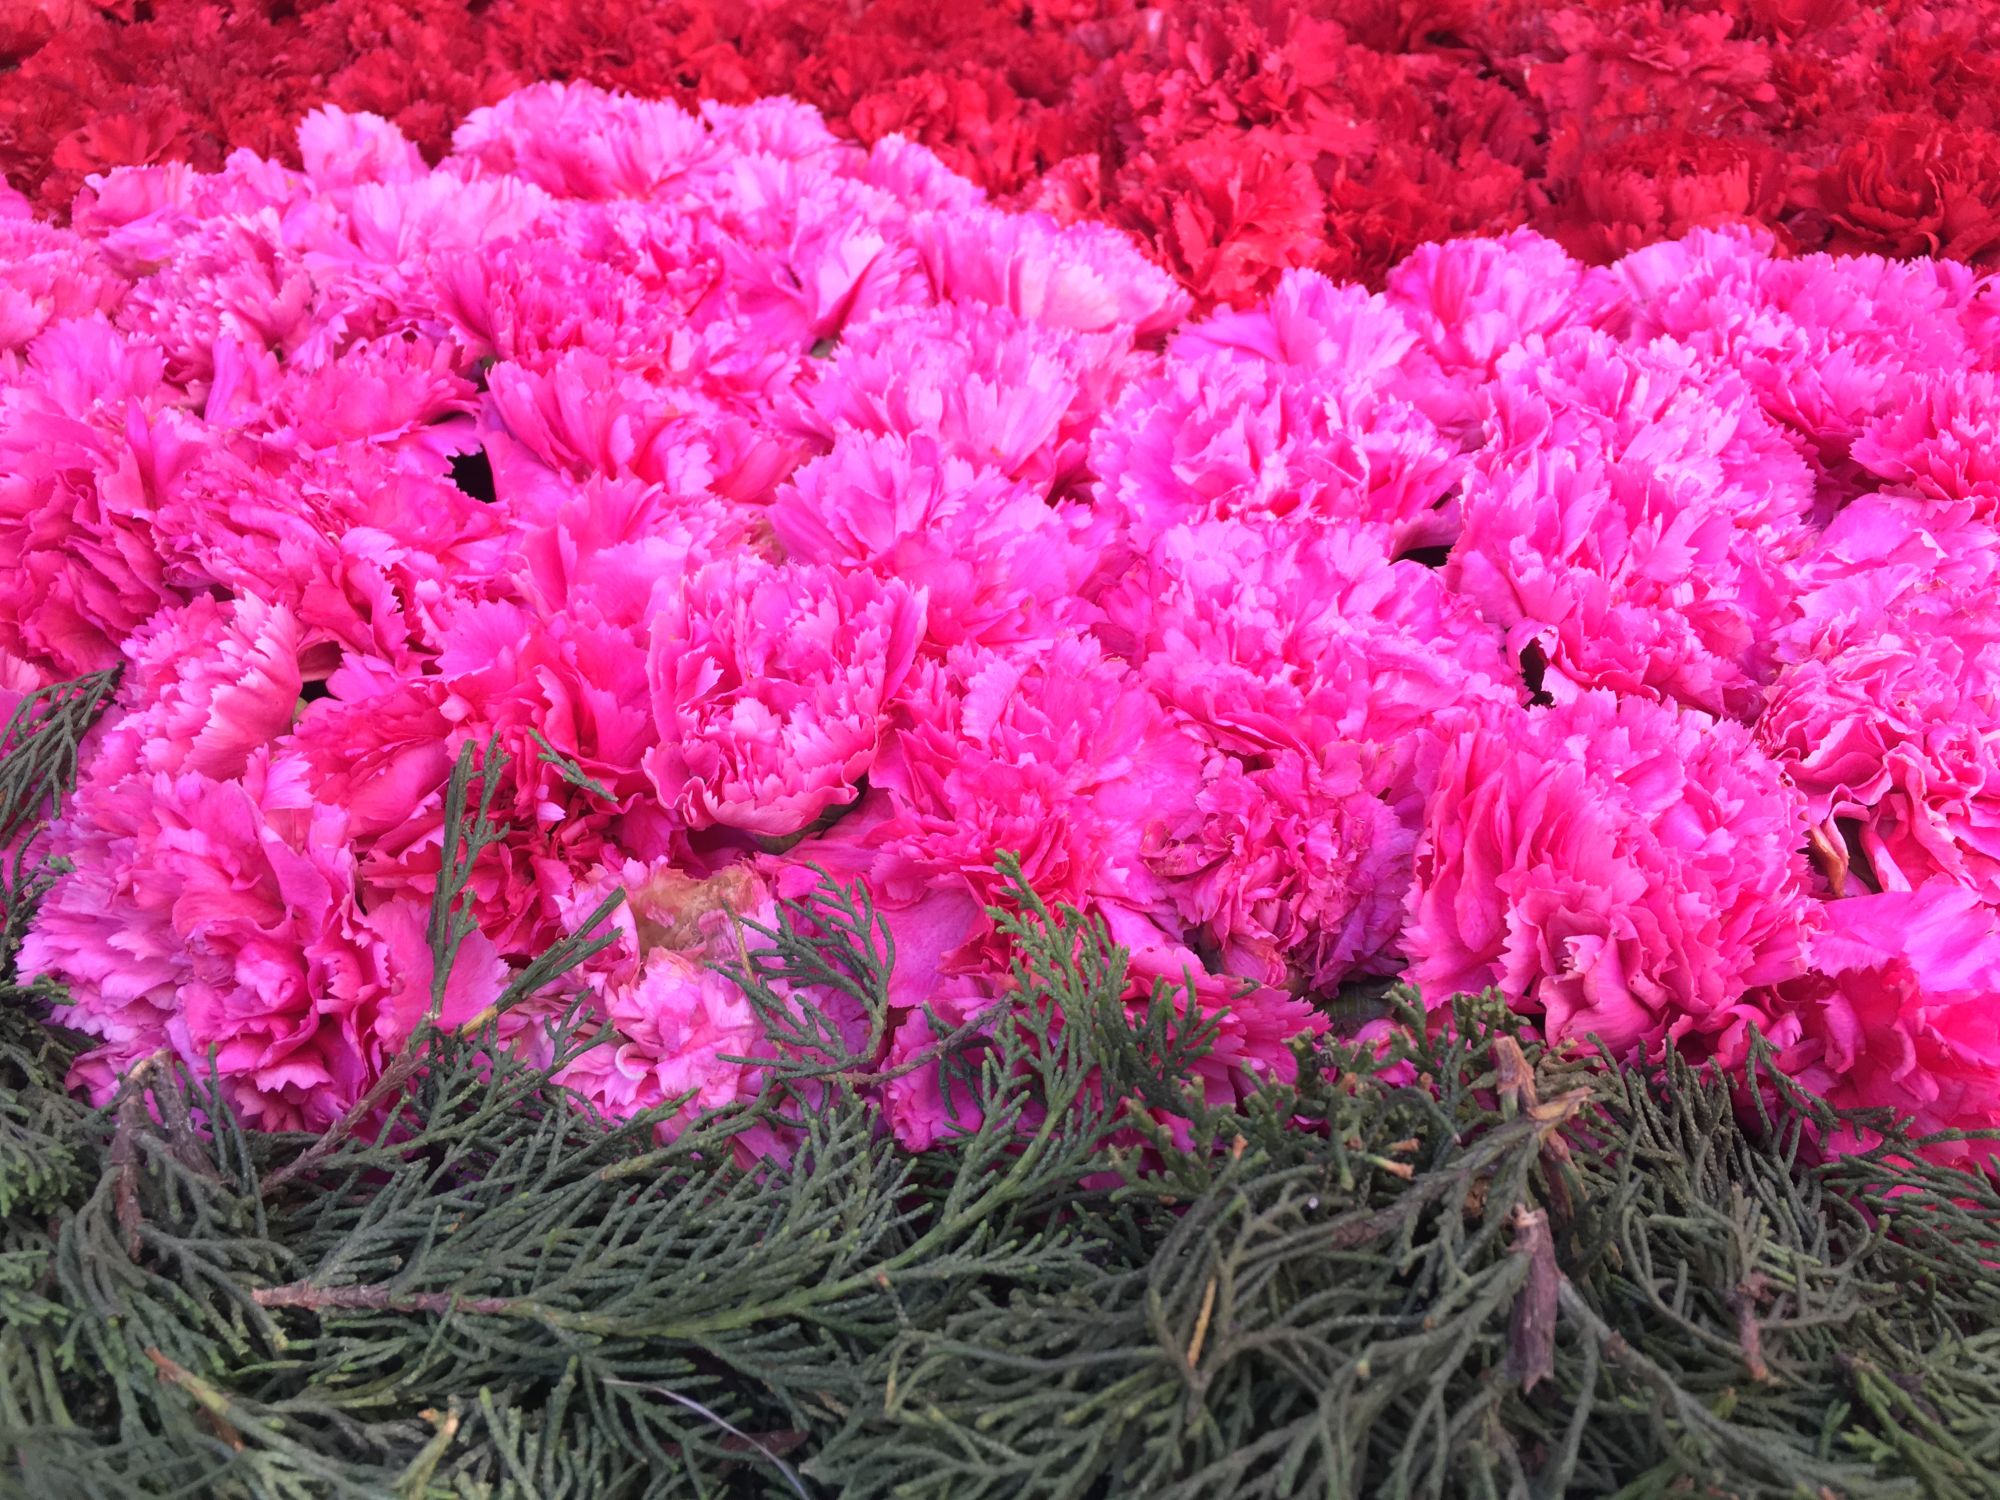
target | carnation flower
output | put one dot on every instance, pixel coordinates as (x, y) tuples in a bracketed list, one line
[(1225, 437), (1271, 636), (771, 687), (674, 1027), (773, 502), (1616, 867), (1471, 301), (1913, 185), (48, 275), (1326, 676), (986, 386), (1897, 1012), (1945, 443), (1083, 277), (1051, 750), (1893, 722), (88, 444), (1827, 344), (1295, 872), (575, 141), (1632, 520), (216, 919), (995, 561)]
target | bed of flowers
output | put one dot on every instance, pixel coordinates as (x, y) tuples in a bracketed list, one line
[(680, 612), (1235, 138)]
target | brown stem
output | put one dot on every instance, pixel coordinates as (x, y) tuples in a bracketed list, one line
[(378, 1299)]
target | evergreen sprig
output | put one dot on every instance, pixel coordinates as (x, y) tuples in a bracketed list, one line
[(39, 746), (1464, 1266)]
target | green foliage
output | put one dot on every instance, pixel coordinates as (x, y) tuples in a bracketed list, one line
[(39, 745), (1467, 1267)]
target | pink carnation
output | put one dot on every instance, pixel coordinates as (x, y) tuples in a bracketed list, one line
[(771, 687), (996, 562), (1291, 872), (48, 275), (1327, 678), (1470, 301), (1087, 277), (673, 1022), (216, 919), (985, 385), (1892, 726), (1051, 750), (1268, 636), (1618, 867), (88, 444), (1944, 443), (1898, 1012), (1224, 437), (1633, 521), (576, 141), (1828, 344)]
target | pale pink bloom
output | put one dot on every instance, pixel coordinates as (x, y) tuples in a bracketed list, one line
[(1617, 867), (771, 688), (673, 1026)]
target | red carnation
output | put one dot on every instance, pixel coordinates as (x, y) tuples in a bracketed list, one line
[(1915, 186)]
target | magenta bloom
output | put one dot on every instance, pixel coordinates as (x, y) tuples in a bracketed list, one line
[(1052, 750), (1633, 519), (995, 561), (1619, 867), (1889, 719), (1899, 1012), (1325, 679), (88, 443), (771, 687)]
